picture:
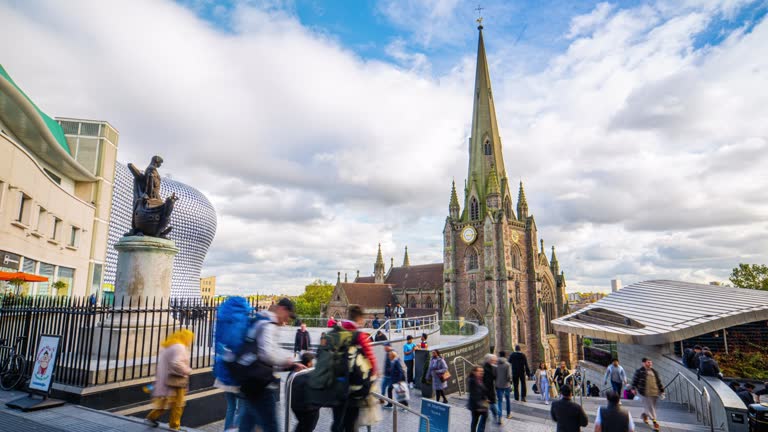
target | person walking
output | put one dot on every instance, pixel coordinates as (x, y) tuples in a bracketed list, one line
[(386, 379), (345, 415), (545, 383), (260, 401), (437, 368), (616, 375), (478, 400), (708, 366), (503, 384), (569, 416), (398, 376), (489, 383), (388, 314), (399, 314), (520, 373), (172, 378), (409, 356), (647, 382), (561, 374), (306, 414), (613, 418), (301, 342)]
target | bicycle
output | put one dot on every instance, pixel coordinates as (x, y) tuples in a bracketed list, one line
[(13, 365)]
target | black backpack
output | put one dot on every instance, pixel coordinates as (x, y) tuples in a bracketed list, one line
[(341, 370), (245, 367)]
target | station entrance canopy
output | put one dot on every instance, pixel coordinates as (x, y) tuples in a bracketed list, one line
[(659, 312)]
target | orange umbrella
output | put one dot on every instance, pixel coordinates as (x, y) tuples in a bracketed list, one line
[(20, 277)]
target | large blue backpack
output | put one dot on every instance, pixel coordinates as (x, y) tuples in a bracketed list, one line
[(232, 322)]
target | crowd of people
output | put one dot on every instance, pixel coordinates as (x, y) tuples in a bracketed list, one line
[(345, 373)]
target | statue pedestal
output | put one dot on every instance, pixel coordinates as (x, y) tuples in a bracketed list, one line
[(144, 267), (140, 319)]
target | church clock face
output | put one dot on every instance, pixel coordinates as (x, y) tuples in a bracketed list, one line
[(469, 235), (514, 236)]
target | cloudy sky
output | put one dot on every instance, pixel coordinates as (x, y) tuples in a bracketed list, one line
[(321, 128)]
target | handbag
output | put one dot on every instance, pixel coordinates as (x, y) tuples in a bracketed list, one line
[(535, 388), (445, 376), (401, 392), (178, 381)]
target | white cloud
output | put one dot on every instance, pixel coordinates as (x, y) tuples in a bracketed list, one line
[(642, 154)]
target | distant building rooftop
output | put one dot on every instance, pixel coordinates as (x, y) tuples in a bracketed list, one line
[(662, 311)]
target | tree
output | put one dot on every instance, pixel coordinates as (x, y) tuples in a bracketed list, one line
[(315, 294), (751, 276)]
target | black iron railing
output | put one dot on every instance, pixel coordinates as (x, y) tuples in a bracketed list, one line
[(104, 342)]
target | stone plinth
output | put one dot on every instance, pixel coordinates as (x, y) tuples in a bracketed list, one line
[(144, 267), (139, 320)]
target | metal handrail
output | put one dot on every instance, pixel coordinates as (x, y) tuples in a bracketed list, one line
[(396, 405), (699, 403), (289, 393), (572, 376), (431, 322), (460, 378)]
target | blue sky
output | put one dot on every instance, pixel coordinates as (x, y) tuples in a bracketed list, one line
[(321, 128)]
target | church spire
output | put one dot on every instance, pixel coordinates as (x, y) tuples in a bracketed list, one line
[(553, 264), (522, 204), (406, 260), (453, 207), (485, 142), (378, 268)]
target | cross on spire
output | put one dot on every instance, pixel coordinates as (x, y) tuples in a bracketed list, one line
[(479, 19)]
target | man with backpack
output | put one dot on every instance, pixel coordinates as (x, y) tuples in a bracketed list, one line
[(345, 416), (254, 364)]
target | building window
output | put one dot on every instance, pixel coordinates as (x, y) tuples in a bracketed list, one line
[(548, 309), (508, 207), (25, 202), (472, 260), (74, 237), (96, 278), (520, 332), (472, 292), (40, 219), (55, 229), (428, 303), (43, 288), (66, 275), (487, 148), (515, 257), (413, 302), (56, 179), (474, 209)]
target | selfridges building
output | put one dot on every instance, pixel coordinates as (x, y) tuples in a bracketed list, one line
[(194, 226)]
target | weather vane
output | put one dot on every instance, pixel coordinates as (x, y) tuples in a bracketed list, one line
[(479, 19)]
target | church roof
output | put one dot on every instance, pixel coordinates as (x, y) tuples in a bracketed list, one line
[(367, 295), (416, 276), (657, 312), (365, 279)]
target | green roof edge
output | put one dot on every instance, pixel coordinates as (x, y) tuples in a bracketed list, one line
[(52, 124)]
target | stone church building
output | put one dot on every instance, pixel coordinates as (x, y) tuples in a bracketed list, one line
[(495, 268)]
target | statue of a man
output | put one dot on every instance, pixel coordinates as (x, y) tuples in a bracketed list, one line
[(151, 214), (152, 179)]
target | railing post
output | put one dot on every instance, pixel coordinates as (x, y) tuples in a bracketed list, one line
[(394, 420)]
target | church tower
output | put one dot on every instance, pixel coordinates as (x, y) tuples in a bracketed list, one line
[(493, 270), (379, 270)]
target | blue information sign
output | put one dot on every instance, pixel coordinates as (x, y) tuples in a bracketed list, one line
[(439, 415)]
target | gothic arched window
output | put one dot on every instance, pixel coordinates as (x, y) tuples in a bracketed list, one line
[(487, 148), (428, 303), (548, 309), (413, 302), (472, 260), (508, 207), (474, 209), (515, 257), (472, 292), (520, 332)]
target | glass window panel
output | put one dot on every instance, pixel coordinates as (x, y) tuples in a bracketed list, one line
[(89, 129), (69, 127), (67, 275), (44, 288), (96, 280)]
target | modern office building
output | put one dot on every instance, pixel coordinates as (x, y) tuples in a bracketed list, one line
[(194, 226), (55, 194)]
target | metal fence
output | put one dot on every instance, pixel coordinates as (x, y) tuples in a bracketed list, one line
[(104, 342)]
